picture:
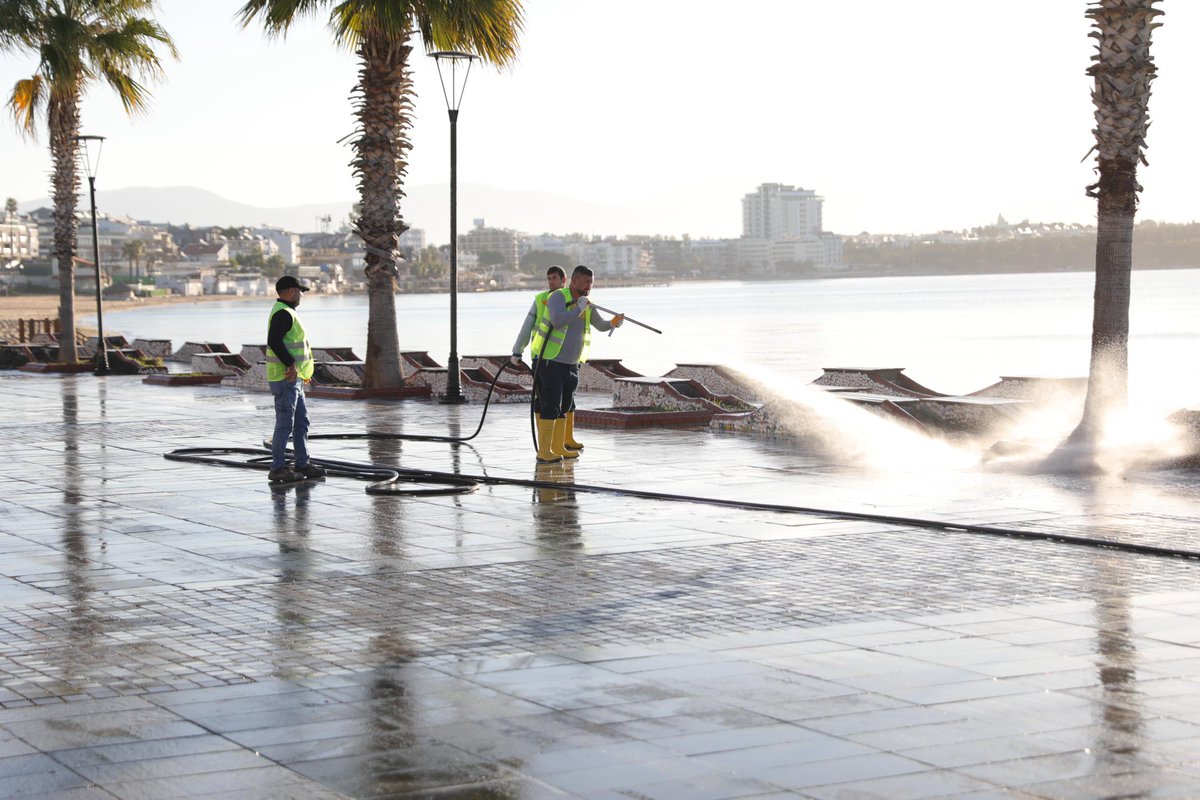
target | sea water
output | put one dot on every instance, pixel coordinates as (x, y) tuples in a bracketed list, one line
[(954, 334)]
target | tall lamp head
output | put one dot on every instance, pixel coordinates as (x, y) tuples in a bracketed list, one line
[(89, 153), (454, 66)]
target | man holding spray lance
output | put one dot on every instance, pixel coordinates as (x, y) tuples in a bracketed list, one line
[(561, 336), (565, 347)]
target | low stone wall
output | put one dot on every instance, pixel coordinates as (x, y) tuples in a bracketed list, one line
[(719, 379), (657, 393), (966, 415), (15, 356), (254, 353), (155, 348), (1036, 390), (761, 422), (474, 390), (519, 374), (184, 354), (333, 354), (342, 373), (218, 364), (601, 376), (419, 359), (253, 379), (889, 381), (117, 342), (433, 377)]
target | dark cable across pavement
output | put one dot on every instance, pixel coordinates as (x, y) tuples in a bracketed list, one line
[(390, 480)]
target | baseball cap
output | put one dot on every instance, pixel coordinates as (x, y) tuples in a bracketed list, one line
[(290, 282)]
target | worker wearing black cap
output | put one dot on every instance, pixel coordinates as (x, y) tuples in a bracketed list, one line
[(289, 367)]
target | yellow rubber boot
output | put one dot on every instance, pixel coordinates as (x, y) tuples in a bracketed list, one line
[(569, 439), (545, 437), (560, 432)]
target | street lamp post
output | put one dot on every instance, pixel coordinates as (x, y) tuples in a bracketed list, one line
[(91, 167), (452, 60)]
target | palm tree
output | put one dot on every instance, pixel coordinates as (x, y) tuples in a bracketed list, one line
[(78, 43), (134, 249), (381, 31), (1123, 71)]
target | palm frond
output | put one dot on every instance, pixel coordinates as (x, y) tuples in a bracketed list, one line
[(133, 96), (27, 99), (491, 29), (277, 16), (18, 24)]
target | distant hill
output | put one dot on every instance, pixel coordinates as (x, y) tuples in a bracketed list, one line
[(426, 207), (1156, 245)]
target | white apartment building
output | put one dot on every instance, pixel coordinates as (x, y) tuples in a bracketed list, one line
[(482, 239), (247, 246), (286, 244), (43, 218), (207, 253), (782, 225), (775, 211), (18, 238), (413, 241), (610, 257)]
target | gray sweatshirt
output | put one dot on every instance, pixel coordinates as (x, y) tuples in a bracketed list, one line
[(526, 331), (572, 319)]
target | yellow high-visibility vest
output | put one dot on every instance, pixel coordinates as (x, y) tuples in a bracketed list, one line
[(557, 335), (541, 323), (296, 343)]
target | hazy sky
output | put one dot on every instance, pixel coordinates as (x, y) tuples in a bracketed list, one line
[(906, 116)]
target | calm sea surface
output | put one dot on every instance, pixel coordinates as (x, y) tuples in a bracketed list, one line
[(952, 333)]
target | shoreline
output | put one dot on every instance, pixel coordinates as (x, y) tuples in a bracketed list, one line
[(45, 306), (40, 307)]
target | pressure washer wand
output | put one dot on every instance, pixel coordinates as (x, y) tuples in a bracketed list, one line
[(627, 319)]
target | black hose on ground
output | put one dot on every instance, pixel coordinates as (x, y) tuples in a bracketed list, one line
[(413, 437), (387, 479), (384, 480)]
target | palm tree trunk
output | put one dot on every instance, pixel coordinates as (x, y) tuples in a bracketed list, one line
[(384, 102), (1123, 70), (64, 127), (1108, 374)]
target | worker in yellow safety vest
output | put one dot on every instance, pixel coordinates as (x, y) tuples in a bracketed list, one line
[(537, 323), (571, 320), (289, 367)]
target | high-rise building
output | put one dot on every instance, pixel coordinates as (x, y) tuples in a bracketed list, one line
[(499, 241), (782, 232), (775, 211)]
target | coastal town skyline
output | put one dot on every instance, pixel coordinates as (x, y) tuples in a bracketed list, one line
[(934, 116)]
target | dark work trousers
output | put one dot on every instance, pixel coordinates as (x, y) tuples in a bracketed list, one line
[(556, 388)]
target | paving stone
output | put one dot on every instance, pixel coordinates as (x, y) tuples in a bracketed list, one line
[(171, 630)]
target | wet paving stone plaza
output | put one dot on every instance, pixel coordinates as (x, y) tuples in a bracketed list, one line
[(178, 630)]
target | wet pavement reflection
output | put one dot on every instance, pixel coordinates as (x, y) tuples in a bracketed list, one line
[(174, 630)]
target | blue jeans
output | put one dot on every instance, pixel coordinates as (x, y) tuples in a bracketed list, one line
[(291, 420)]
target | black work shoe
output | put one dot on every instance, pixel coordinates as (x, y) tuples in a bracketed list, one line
[(311, 471), (284, 475)]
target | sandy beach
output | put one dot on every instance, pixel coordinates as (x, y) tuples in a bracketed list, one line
[(45, 306)]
